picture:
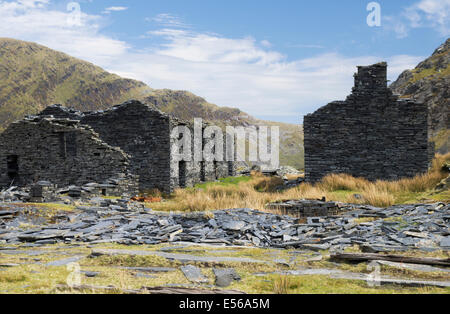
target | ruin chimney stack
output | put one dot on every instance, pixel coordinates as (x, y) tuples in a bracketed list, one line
[(371, 78)]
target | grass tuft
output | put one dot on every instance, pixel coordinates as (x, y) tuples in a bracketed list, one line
[(281, 285)]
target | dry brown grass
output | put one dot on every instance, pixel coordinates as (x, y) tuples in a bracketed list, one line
[(255, 194), (261, 190), (343, 182), (294, 176), (420, 183), (372, 196), (281, 285)]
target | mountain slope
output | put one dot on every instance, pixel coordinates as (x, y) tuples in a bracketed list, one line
[(33, 76), (429, 82)]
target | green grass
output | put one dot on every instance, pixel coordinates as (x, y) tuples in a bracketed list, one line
[(36, 278), (34, 76), (441, 139), (418, 197), (424, 73), (111, 197), (51, 206), (231, 181)]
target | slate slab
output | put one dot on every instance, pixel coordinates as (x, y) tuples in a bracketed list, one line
[(445, 242), (66, 261), (90, 274), (394, 281), (150, 269), (9, 265), (234, 225), (416, 267), (224, 277), (194, 274), (143, 275)]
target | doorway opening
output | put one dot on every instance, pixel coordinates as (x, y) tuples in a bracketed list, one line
[(182, 174), (13, 167), (231, 169), (216, 171), (202, 171)]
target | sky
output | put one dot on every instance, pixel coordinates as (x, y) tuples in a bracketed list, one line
[(276, 60)]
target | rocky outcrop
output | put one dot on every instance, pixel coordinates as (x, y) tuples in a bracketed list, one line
[(429, 83)]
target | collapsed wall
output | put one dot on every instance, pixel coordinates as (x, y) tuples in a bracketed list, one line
[(61, 151), (372, 134), (189, 173), (144, 134)]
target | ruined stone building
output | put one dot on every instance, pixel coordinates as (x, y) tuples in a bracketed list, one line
[(372, 134), (130, 140)]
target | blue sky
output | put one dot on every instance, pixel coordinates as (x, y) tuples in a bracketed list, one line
[(276, 60)]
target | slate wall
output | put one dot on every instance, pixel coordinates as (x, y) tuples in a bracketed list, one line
[(144, 134), (371, 134), (60, 151), (183, 173), (61, 112)]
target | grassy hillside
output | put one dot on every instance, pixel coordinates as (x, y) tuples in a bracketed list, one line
[(33, 76)]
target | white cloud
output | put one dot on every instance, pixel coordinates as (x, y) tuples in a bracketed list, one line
[(201, 47), (266, 43), (168, 20), (31, 20), (433, 14), (114, 9), (238, 72)]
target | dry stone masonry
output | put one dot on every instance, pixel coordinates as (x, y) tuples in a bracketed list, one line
[(131, 140), (308, 208), (61, 151), (372, 134)]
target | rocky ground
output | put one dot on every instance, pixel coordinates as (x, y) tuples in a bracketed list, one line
[(421, 226), (232, 249)]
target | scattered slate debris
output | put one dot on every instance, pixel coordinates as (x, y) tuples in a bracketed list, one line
[(147, 290), (416, 226), (364, 257), (13, 194)]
